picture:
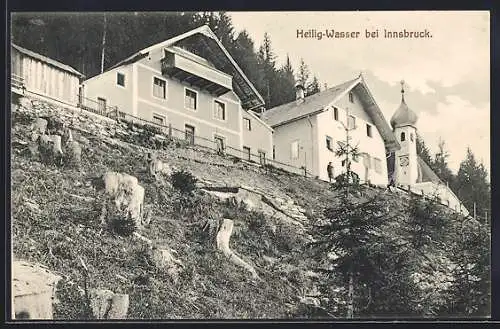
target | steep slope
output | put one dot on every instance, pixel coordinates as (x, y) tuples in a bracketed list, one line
[(55, 222)]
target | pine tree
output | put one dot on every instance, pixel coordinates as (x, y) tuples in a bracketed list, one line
[(472, 185), (425, 223), (303, 73), (244, 54), (267, 65), (313, 87), (440, 164), (423, 151), (471, 290), (225, 30), (285, 88), (348, 181)]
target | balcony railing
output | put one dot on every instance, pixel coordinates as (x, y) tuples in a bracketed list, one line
[(17, 82), (195, 73), (94, 106)]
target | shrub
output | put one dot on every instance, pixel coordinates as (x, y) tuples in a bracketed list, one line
[(343, 180), (256, 221), (71, 304), (22, 118), (121, 225), (183, 181), (286, 238)]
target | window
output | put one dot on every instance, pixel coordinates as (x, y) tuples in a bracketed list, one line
[(351, 122), (378, 165), (190, 99), (120, 79), (368, 130), (262, 157), (355, 157), (159, 88), (220, 145), (274, 152), (336, 114), (80, 95), (295, 150), (159, 119), (403, 136), (411, 137), (329, 143), (189, 134), (246, 150), (248, 124), (351, 97), (101, 103), (219, 110)]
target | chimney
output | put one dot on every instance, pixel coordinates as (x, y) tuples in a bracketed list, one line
[(299, 93)]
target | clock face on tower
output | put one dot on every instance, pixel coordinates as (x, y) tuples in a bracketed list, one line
[(404, 161)]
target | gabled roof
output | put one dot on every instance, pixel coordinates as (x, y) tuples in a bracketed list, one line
[(310, 105), (47, 60), (319, 102), (217, 54)]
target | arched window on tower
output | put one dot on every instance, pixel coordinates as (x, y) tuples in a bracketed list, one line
[(403, 136)]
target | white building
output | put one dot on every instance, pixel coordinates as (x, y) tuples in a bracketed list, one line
[(191, 84), (307, 131), (407, 169)]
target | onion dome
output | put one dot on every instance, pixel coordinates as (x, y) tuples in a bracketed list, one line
[(403, 116)]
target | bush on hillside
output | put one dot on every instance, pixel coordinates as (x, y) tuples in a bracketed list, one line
[(121, 225), (183, 181)]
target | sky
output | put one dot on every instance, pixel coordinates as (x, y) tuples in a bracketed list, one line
[(446, 73)]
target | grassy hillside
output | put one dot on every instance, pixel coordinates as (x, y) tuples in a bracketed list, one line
[(55, 221)]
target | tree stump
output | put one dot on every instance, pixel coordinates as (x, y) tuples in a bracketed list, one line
[(164, 260), (106, 304), (223, 237)]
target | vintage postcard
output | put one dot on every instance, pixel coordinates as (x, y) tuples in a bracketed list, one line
[(250, 165)]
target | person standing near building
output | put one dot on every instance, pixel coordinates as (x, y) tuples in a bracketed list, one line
[(329, 169)]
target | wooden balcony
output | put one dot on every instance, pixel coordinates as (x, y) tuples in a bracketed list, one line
[(196, 73)]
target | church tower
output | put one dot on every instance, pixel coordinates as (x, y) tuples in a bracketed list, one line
[(403, 125)]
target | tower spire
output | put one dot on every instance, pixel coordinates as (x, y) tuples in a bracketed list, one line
[(402, 82)]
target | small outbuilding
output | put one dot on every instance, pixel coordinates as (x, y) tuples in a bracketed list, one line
[(36, 75)]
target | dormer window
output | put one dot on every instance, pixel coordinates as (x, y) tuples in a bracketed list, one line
[(351, 97), (403, 137)]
